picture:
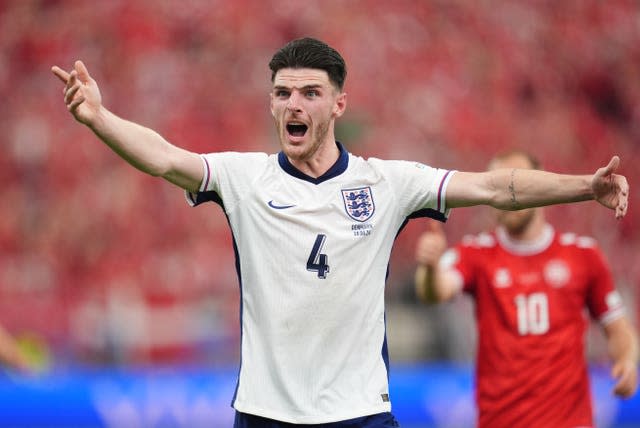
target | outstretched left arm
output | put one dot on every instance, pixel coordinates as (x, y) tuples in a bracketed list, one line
[(515, 189)]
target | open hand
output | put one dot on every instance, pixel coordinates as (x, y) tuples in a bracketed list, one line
[(610, 189), (81, 93)]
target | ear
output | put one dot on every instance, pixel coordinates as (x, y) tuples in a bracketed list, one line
[(340, 105), (271, 103)]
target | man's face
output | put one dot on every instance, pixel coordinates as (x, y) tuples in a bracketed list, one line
[(304, 105), (515, 222)]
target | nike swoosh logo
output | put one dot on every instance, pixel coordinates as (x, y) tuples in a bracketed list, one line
[(279, 207)]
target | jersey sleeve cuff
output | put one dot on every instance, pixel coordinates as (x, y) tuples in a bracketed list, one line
[(192, 197), (442, 193), (612, 315)]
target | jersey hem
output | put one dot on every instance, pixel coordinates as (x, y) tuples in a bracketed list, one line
[(315, 419)]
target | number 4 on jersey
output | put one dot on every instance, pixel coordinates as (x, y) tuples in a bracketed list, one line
[(317, 261)]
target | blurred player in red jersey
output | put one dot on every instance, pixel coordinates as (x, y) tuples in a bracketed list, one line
[(531, 286)]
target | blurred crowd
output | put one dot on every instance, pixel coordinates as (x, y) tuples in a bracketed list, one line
[(109, 266)]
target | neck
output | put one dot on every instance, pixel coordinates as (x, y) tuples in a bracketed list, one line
[(319, 162), (526, 247)]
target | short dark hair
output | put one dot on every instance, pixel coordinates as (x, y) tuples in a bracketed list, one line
[(310, 53)]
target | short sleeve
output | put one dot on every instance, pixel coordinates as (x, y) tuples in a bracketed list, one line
[(603, 300), (420, 189), (227, 177)]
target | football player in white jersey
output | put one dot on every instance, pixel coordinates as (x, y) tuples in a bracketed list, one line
[(313, 227)]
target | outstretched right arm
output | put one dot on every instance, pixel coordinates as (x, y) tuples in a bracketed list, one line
[(140, 146)]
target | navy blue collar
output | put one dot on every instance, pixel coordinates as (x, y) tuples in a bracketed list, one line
[(336, 169)]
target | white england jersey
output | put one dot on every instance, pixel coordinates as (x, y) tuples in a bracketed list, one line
[(312, 255)]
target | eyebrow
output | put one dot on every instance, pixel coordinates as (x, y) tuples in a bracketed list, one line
[(306, 87)]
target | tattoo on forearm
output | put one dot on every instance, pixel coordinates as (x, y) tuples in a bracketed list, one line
[(512, 190)]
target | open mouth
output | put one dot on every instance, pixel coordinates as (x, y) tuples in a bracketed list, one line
[(297, 129)]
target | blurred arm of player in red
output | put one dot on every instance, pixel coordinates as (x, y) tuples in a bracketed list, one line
[(622, 341)]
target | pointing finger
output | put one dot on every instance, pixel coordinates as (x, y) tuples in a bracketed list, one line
[(60, 73)]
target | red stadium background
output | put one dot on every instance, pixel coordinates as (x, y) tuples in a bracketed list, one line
[(104, 266)]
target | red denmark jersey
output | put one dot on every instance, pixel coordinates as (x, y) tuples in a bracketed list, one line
[(532, 304)]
